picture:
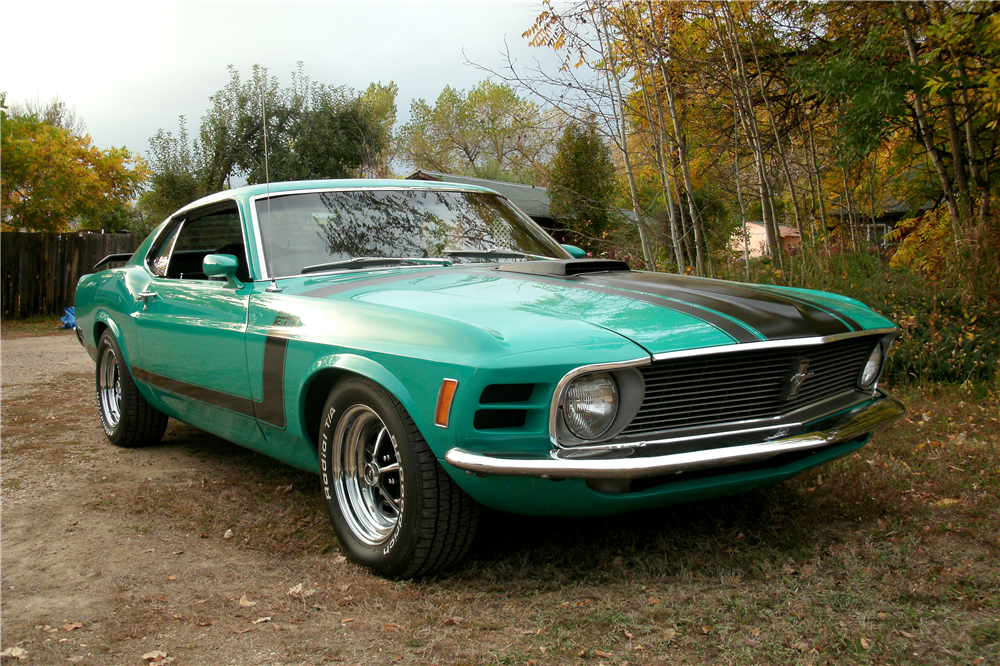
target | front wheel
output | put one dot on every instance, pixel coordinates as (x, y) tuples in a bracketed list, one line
[(127, 418), (394, 508)]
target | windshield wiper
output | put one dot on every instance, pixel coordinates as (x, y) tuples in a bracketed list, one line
[(370, 262), (492, 253)]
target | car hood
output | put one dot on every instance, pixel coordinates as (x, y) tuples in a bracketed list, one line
[(659, 312)]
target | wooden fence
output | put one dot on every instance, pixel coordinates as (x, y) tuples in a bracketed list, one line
[(40, 270)]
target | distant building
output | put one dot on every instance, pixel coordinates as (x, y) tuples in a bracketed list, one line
[(790, 239)]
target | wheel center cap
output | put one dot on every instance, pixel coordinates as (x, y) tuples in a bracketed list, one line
[(371, 474)]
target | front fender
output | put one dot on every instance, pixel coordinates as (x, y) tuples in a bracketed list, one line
[(358, 365)]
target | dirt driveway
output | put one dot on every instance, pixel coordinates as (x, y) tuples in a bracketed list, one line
[(198, 552), (105, 560)]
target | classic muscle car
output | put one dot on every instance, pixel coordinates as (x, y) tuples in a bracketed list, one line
[(427, 350)]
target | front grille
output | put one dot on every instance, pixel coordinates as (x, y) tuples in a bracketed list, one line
[(742, 386)]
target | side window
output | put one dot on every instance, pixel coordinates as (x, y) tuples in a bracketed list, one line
[(214, 231), (160, 256)]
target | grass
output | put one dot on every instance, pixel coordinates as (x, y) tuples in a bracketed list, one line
[(33, 326), (888, 556)]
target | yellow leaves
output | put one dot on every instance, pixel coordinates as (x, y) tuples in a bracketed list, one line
[(51, 176)]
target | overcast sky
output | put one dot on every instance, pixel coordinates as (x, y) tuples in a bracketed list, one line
[(129, 69)]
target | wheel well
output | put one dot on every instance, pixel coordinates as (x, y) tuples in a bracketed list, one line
[(315, 399), (99, 329)]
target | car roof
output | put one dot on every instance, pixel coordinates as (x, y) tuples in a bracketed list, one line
[(247, 192)]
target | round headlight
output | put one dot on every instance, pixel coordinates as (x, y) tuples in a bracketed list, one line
[(872, 368), (590, 405)]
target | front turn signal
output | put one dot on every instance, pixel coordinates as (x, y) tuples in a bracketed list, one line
[(446, 394)]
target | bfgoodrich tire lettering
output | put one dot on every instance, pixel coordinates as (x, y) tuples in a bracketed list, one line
[(393, 507), (127, 418)]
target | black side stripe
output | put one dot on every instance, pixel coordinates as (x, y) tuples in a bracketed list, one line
[(269, 409)]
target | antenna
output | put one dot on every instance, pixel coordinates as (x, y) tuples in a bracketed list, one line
[(273, 287)]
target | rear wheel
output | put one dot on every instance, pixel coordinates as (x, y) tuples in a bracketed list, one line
[(393, 507), (127, 418)]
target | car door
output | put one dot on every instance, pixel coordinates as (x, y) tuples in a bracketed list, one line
[(192, 331)]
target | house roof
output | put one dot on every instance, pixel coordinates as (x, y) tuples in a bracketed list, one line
[(532, 200)]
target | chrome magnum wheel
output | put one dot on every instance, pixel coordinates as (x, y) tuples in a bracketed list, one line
[(392, 505), (367, 478), (127, 418), (109, 390)]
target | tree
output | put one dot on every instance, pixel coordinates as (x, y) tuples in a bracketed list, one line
[(52, 177), (488, 133), (582, 182), (312, 131)]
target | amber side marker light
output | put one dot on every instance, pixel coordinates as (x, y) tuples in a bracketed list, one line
[(445, 395)]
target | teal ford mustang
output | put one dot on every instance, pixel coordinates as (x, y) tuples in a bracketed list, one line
[(427, 350)]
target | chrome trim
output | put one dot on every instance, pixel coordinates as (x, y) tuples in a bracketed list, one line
[(557, 395), (772, 344), (848, 426)]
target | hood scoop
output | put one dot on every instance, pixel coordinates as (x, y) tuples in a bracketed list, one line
[(565, 267)]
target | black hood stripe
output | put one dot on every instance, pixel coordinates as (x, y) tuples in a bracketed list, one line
[(774, 316), (733, 329), (744, 313)]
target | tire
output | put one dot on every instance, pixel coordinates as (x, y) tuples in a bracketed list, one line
[(127, 418), (394, 508)]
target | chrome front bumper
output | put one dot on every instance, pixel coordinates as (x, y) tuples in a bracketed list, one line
[(848, 426)]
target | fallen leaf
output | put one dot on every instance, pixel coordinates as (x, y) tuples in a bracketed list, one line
[(340, 559), (392, 626), (70, 626), (601, 653), (755, 632), (947, 501), (668, 634), (262, 619), (707, 629), (865, 643), (228, 534), (638, 648), (801, 647), (171, 577), (242, 631), (283, 489), (15, 653), (628, 634), (654, 600), (449, 622), (204, 624), (246, 603), (907, 635), (155, 656)]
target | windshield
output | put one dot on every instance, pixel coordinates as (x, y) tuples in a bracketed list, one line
[(310, 229)]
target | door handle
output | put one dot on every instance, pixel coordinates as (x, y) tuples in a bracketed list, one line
[(144, 296)]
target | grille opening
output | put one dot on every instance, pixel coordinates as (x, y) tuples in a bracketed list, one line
[(743, 386), (498, 394), (494, 419)]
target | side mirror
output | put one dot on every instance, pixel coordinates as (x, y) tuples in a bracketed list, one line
[(575, 252), (225, 265)]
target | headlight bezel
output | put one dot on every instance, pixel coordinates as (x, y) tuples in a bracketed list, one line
[(630, 388)]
